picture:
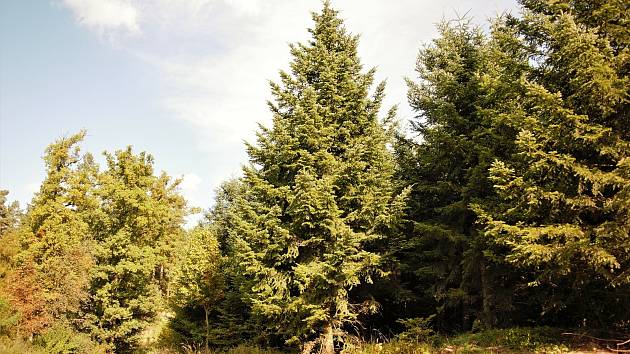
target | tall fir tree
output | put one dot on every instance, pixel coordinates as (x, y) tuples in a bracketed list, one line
[(444, 261), (318, 192), (564, 212)]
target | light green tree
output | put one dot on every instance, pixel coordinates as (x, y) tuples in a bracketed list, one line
[(9, 213), (196, 280), (318, 193), (139, 220)]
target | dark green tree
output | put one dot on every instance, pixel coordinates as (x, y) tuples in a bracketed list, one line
[(444, 262), (565, 193), (318, 192)]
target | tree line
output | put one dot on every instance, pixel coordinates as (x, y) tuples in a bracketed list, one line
[(506, 203)]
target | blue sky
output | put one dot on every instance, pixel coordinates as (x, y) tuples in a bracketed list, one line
[(185, 80)]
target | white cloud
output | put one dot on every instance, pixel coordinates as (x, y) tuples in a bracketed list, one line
[(104, 16), (190, 188), (215, 57)]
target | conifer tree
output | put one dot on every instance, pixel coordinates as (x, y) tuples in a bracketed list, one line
[(565, 194), (226, 320), (139, 220), (443, 259), (318, 191), (232, 319)]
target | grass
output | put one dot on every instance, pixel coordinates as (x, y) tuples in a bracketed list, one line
[(504, 341), (499, 341)]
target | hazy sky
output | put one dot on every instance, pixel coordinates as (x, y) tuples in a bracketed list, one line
[(185, 80)]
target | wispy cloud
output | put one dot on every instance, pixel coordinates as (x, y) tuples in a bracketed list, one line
[(105, 16), (215, 57), (190, 188)]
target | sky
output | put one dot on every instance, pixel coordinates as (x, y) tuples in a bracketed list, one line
[(185, 80)]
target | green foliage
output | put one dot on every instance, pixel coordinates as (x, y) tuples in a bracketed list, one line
[(61, 339), (318, 191), (520, 177), (517, 338), (395, 347), (9, 213), (445, 264), (19, 346), (564, 194), (135, 230), (195, 279), (510, 205), (9, 318), (416, 329), (50, 277), (228, 315)]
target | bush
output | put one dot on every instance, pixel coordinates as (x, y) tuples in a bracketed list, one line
[(8, 317), (61, 339), (18, 346), (416, 329)]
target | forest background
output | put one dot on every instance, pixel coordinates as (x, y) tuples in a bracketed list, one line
[(507, 204)]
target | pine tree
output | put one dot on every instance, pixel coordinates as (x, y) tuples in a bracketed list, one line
[(139, 220), (318, 191), (565, 194)]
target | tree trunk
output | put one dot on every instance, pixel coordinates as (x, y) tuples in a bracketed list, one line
[(488, 296), (328, 343), (205, 309), (307, 348)]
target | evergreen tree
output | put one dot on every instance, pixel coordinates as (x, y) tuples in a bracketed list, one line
[(318, 193), (565, 194), (232, 318), (444, 261), (139, 221), (229, 314)]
